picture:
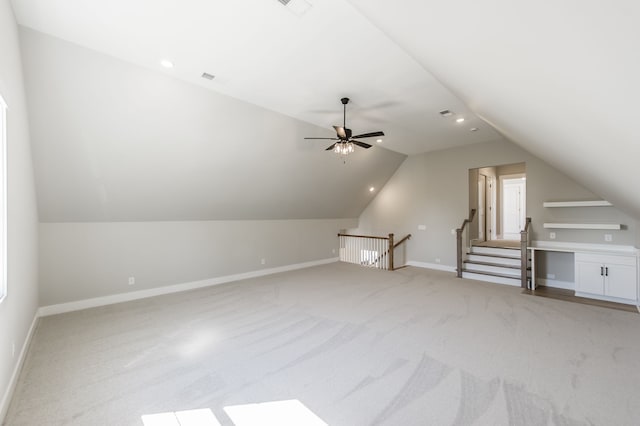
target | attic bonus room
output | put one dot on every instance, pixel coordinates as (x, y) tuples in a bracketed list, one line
[(304, 212)]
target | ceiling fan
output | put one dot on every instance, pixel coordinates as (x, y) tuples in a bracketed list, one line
[(345, 141)]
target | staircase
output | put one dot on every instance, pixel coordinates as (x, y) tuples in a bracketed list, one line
[(500, 265)]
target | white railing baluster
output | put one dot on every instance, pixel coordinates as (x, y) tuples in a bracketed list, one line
[(366, 250)]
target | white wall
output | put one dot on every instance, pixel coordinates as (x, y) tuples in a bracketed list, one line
[(86, 260), (18, 309), (432, 189)]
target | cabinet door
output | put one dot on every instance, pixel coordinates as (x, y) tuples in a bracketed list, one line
[(588, 278), (621, 281)]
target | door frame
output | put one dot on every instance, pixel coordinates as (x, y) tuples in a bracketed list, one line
[(482, 207), (491, 218), (515, 176)]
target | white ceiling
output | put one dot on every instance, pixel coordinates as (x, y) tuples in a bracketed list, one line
[(262, 53), (559, 78)]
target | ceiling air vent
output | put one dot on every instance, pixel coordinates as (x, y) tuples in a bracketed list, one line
[(446, 113), (285, 2), (208, 76)]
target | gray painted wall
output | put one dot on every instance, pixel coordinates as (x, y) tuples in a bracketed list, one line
[(113, 141), (18, 308), (85, 260), (432, 189)]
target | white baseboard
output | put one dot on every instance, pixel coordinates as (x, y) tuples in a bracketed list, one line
[(6, 399), (567, 285), (143, 294), (436, 266)]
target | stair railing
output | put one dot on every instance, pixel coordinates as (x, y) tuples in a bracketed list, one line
[(524, 255), (368, 250), (459, 232)]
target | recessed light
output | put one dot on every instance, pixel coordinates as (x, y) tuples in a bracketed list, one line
[(473, 129), (166, 63), (379, 141), (372, 189), (459, 120)]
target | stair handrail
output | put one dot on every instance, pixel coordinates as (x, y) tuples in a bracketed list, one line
[(459, 231), (524, 243), (402, 240), (391, 252), (390, 246)]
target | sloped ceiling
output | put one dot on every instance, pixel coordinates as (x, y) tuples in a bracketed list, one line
[(559, 78), (263, 53), (113, 141)]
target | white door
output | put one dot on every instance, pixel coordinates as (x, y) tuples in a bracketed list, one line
[(513, 207), (482, 201)]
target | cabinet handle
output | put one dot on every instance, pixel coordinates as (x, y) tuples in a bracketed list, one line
[(602, 270), (606, 271)]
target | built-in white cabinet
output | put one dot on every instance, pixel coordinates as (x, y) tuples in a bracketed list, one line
[(606, 275)]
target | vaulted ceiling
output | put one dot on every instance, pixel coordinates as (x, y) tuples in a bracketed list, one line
[(111, 126)]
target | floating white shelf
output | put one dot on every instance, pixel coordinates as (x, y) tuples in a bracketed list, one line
[(594, 203), (583, 225)]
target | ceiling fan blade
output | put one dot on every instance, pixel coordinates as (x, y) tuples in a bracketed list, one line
[(369, 135), (340, 131), (331, 147), (329, 139), (361, 144)]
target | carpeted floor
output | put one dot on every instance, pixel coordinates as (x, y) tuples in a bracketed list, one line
[(349, 345)]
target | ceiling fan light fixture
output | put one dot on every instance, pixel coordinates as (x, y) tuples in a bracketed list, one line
[(345, 142), (344, 148)]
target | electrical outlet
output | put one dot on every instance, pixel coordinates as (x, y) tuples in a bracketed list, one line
[(453, 232), (551, 276), (132, 280), (608, 237), (422, 227), (263, 261), (552, 235), (437, 260)]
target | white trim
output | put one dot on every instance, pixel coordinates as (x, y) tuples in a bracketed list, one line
[(594, 203), (6, 399), (606, 298), (435, 266), (615, 226), (513, 282), (567, 285), (583, 247), (3, 199), (176, 288)]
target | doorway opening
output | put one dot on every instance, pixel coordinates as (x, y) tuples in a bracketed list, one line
[(513, 189), (498, 193)]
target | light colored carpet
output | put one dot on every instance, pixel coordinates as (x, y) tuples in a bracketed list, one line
[(354, 346)]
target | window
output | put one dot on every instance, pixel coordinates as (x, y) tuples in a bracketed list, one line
[(3, 199)]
